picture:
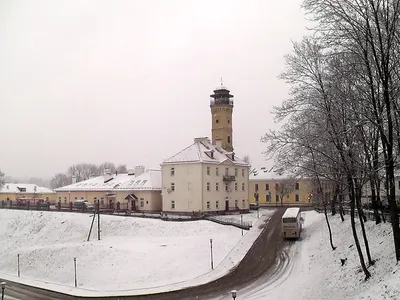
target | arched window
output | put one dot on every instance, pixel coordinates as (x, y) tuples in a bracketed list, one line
[(217, 121), (229, 139)]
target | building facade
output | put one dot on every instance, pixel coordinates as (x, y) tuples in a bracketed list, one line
[(137, 190), (204, 178), (16, 191), (271, 189)]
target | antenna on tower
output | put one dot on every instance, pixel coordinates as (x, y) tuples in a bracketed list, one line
[(221, 82)]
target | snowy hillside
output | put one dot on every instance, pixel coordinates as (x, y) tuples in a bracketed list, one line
[(133, 254), (315, 272)]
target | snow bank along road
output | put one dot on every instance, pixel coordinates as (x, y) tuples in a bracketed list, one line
[(267, 257)]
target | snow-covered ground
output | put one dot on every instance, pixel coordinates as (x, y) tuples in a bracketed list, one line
[(134, 255), (315, 271)]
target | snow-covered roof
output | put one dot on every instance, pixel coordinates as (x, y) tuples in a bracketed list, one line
[(149, 180), (291, 212), (266, 174), (203, 151), (24, 188)]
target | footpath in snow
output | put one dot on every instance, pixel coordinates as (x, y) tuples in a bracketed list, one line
[(134, 256)]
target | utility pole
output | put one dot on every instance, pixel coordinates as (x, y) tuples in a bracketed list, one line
[(98, 220)]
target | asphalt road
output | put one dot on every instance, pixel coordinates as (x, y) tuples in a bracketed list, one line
[(261, 260)]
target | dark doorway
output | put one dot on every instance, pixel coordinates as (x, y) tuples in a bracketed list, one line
[(226, 205)]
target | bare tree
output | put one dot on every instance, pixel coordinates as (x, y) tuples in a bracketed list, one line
[(122, 169), (2, 178), (109, 166), (60, 180), (83, 171), (284, 187)]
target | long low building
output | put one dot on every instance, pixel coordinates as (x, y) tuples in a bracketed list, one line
[(17, 191), (137, 190), (268, 188)]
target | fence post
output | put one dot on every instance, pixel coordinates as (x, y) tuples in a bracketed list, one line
[(18, 265)]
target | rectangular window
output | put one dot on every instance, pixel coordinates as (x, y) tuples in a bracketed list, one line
[(242, 172), (208, 186), (189, 186), (217, 171), (208, 170), (217, 186), (268, 198), (297, 186), (256, 187), (236, 204), (236, 172), (217, 204), (226, 187), (147, 202), (172, 186), (173, 204), (243, 203), (267, 186), (81, 198), (59, 198), (141, 203), (297, 198), (243, 187), (277, 198), (208, 204), (236, 186), (172, 171), (226, 171)]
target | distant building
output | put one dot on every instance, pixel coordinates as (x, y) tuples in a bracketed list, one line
[(204, 177), (272, 189), (21, 191), (137, 190)]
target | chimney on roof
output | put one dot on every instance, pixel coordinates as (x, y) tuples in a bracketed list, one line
[(139, 170), (73, 179), (201, 139)]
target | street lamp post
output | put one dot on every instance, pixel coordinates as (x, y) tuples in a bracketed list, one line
[(18, 265), (234, 293), (212, 260), (76, 283), (241, 222), (3, 286)]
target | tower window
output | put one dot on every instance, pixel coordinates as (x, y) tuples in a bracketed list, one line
[(229, 121), (217, 121), (229, 139)]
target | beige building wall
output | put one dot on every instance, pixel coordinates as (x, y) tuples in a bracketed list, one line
[(218, 195), (200, 187), (91, 196), (269, 197), (51, 197), (182, 187), (147, 200)]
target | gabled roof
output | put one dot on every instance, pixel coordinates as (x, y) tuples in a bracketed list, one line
[(149, 180), (270, 174), (24, 188), (202, 151)]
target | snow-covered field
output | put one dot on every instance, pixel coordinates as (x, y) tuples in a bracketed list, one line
[(134, 255), (315, 271)]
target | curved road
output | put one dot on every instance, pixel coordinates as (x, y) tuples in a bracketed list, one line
[(267, 256)]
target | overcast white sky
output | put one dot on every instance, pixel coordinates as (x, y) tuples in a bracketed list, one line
[(129, 81)]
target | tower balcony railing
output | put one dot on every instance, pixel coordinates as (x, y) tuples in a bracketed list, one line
[(221, 101), (228, 178)]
